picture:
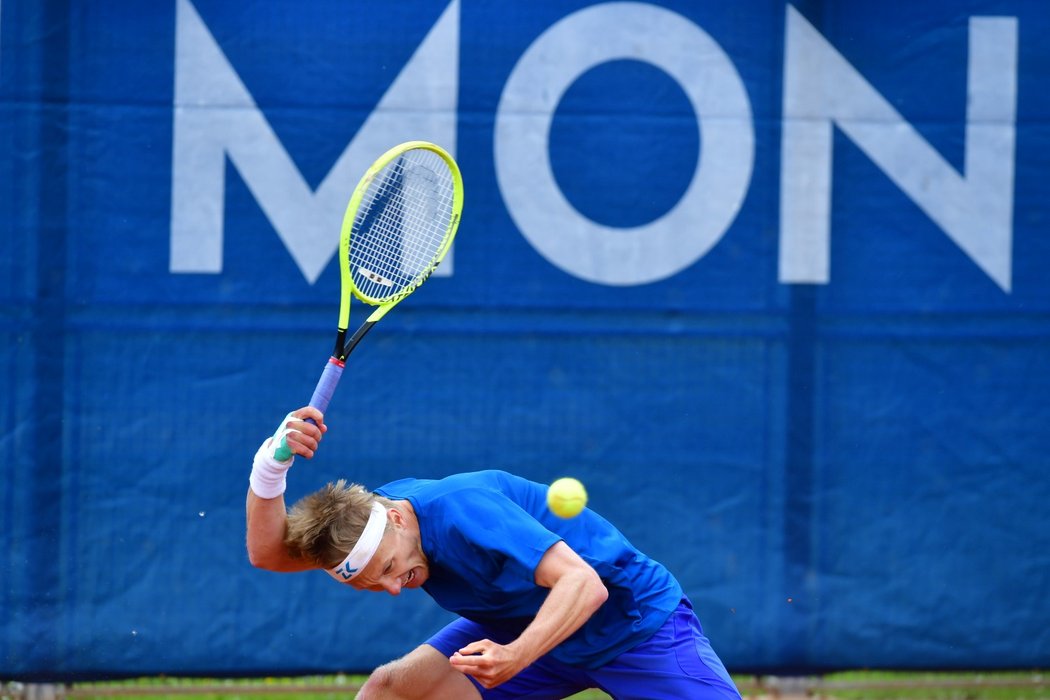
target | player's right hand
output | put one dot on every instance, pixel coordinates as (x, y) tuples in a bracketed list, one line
[(302, 436)]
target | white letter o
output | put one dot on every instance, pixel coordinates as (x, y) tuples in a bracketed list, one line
[(674, 241)]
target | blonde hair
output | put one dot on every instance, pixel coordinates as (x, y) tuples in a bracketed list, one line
[(323, 526)]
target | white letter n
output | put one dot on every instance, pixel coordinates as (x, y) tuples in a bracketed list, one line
[(821, 89)]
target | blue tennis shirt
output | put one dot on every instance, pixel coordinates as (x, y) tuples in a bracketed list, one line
[(484, 533)]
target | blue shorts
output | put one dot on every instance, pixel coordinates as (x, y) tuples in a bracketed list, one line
[(676, 662)]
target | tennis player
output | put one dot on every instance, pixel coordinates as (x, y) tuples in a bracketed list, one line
[(548, 607)]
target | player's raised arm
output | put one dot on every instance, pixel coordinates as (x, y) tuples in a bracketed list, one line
[(265, 509), (398, 227)]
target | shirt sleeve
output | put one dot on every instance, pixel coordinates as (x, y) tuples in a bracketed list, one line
[(493, 536)]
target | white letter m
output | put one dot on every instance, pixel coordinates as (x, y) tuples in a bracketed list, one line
[(215, 117)]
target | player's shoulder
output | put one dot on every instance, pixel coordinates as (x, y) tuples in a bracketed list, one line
[(486, 478), (462, 481), (466, 490)]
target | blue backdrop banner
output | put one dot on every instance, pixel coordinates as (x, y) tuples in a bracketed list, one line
[(770, 278)]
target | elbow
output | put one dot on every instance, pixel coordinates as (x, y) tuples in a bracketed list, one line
[(274, 557), (597, 593), (261, 558), (255, 559)]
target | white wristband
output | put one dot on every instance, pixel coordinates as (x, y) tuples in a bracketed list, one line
[(268, 475)]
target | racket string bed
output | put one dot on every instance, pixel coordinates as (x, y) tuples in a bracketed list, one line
[(409, 231), (401, 225)]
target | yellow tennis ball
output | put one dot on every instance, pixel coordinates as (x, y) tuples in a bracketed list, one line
[(566, 497)]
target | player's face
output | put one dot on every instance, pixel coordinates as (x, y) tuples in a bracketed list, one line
[(398, 563)]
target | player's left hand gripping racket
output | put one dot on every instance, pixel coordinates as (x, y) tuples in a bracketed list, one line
[(398, 226)]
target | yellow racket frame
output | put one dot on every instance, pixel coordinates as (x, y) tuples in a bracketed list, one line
[(346, 277)]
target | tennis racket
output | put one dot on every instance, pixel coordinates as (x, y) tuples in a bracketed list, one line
[(398, 226)]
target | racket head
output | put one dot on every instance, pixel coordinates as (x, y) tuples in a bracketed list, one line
[(399, 224)]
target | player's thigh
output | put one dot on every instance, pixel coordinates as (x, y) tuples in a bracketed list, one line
[(422, 674)]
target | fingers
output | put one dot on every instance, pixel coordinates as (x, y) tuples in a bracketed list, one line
[(471, 657), (312, 413), (487, 662), (303, 437), (466, 663), (302, 444), (478, 647)]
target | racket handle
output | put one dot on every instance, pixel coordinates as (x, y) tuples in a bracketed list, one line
[(323, 393), (325, 388)]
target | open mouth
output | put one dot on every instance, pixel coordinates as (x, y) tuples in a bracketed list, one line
[(411, 576)]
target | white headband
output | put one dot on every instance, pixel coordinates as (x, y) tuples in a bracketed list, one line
[(366, 546)]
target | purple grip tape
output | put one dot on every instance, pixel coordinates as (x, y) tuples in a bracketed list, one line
[(326, 385), (322, 397)]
